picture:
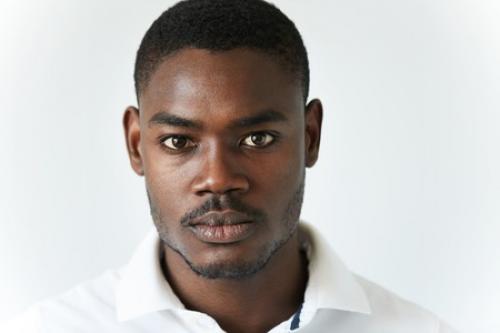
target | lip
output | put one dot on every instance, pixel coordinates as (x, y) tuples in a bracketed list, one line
[(222, 227), (225, 217), (223, 233)]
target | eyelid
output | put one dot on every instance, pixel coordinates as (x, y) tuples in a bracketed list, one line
[(274, 138), (190, 143)]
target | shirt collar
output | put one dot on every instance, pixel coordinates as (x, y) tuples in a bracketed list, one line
[(331, 285), (142, 288)]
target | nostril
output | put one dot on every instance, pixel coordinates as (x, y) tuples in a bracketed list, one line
[(211, 184)]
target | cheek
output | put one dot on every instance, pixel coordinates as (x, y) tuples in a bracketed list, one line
[(280, 176), (166, 183), (289, 163)]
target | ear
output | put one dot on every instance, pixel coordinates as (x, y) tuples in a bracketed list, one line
[(313, 120), (132, 129)]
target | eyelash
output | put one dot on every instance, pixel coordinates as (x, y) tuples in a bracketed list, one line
[(175, 151), (274, 139)]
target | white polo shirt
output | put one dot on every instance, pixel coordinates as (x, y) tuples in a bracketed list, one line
[(137, 298)]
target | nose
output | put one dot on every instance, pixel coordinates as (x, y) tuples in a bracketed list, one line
[(220, 173)]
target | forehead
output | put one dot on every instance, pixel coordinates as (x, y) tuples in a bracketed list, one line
[(206, 82)]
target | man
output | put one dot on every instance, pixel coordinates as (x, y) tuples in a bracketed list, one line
[(222, 134)]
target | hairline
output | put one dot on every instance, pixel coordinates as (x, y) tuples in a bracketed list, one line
[(297, 74)]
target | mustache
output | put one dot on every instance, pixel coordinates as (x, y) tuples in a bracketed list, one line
[(218, 203)]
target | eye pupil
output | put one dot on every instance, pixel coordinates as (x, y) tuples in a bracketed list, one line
[(258, 138), (178, 141)]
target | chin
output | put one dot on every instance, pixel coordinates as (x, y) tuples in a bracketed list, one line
[(231, 262), (233, 270)]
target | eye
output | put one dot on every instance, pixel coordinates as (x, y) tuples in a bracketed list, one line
[(177, 142), (259, 139)]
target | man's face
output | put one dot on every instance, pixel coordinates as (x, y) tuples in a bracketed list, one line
[(223, 139)]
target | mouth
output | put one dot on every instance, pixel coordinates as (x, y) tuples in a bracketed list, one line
[(222, 227)]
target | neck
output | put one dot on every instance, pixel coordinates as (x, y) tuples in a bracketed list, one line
[(253, 304)]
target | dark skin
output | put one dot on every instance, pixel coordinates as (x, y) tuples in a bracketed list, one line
[(227, 124)]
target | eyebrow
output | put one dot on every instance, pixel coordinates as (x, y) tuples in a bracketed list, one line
[(164, 118), (266, 116)]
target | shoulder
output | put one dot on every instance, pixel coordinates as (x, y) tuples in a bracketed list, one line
[(90, 302), (388, 307)]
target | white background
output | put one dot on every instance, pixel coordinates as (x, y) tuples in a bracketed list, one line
[(407, 187)]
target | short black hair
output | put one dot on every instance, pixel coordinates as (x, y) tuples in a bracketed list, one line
[(221, 25)]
